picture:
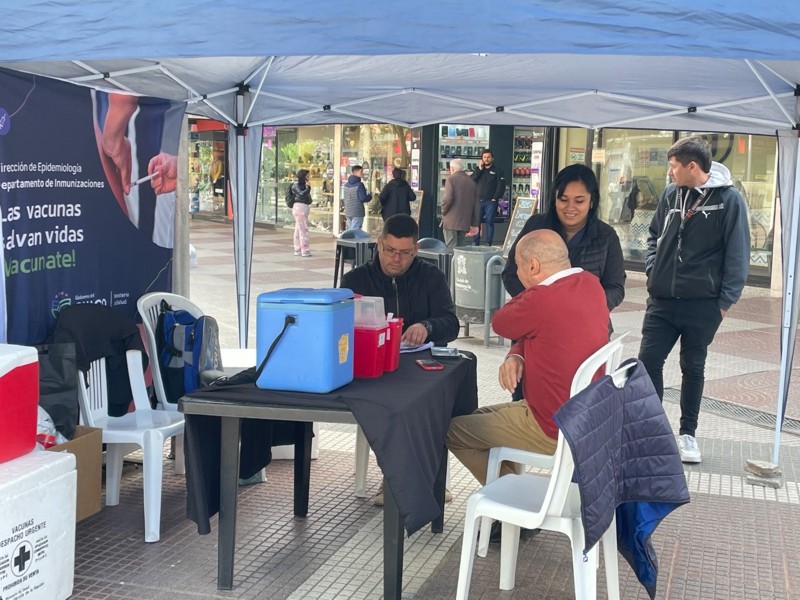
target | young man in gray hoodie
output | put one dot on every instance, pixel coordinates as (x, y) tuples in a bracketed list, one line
[(698, 255)]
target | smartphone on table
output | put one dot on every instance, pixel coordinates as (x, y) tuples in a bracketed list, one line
[(429, 364), (445, 351)]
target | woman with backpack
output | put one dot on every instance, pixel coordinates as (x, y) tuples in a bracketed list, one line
[(300, 197)]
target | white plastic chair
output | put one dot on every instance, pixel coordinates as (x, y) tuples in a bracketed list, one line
[(149, 307), (145, 427), (536, 501), (522, 460)]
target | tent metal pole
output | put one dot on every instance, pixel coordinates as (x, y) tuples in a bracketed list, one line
[(267, 64), (789, 300), (96, 74), (768, 89), (260, 85), (239, 220), (545, 119)]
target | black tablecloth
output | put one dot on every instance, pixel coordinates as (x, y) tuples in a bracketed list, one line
[(404, 416), (201, 443)]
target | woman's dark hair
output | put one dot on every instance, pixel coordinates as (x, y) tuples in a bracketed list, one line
[(397, 173), (563, 178), (302, 176)]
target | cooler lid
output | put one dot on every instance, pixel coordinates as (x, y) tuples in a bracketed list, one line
[(306, 296), (12, 356), (31, 470)]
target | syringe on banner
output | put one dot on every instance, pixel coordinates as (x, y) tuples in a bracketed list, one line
[(143, 179)]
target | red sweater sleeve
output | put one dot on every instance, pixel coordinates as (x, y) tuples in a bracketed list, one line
[(518, 318)]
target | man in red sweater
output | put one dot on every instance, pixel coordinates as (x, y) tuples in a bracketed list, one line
[(558, 321)]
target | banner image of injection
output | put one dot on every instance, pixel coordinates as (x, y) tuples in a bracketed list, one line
[(87, 200)]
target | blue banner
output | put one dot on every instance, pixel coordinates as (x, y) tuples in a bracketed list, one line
[(87, 194)]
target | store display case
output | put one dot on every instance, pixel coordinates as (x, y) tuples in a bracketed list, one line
[(526, 175), (460, 141)]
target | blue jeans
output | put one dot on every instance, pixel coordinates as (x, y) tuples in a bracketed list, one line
[(488, 211), (354, 222)]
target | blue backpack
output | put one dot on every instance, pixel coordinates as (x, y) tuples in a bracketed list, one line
[(186, 346)]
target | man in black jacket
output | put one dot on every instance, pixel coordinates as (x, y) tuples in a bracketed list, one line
[(411, 288), (491, 187), (698, 254)]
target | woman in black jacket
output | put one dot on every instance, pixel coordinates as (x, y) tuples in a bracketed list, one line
[(593, 245), (396, 196)]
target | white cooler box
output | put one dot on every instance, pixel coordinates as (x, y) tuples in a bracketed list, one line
[(37, 526)]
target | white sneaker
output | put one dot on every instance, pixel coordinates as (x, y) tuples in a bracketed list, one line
[(687, 446), (297, 252)]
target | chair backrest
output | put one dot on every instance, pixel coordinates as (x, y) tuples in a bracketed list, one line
[(93, 389), (429, 243), (93, 394), (149, 307), (561, 477), (354, 234)]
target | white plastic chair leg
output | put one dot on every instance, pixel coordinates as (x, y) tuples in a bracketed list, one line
[(509, 549), (447, 472), (180, 459), (609, 543), (485, 534), (468, 544), (153, 471), (115, 453), (362, 463), (584, 571)]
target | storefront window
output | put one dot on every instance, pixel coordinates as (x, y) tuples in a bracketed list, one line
[(208, 175), (286, 150), (268, 182), (378, 148), (753, 162), (632, 172)]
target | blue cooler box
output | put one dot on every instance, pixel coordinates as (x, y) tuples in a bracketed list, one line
[(316, 353)]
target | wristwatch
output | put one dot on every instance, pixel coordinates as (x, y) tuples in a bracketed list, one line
[(427, 326)]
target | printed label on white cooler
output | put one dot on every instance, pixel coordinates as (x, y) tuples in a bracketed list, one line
[(22, 549)]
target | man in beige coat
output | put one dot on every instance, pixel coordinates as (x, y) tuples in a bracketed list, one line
[(460, 206)]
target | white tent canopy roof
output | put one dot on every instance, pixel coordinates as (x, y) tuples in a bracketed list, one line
[(550, 89), (716, 66)]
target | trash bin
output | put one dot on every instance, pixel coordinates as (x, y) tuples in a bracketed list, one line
[(469, 274)]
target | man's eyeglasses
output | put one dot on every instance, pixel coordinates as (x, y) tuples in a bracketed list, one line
[(402, 253)]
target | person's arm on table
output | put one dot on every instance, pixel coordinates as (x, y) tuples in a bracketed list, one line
[(441, 324), (442, 312)]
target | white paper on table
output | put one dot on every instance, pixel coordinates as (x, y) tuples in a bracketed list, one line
[(407, 348)]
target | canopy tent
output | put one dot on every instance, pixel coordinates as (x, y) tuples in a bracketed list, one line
[(728, 66)]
